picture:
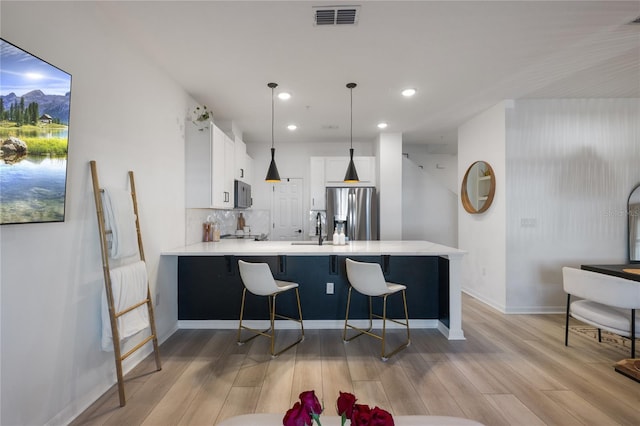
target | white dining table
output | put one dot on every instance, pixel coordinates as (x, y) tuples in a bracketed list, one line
[(276, 420)]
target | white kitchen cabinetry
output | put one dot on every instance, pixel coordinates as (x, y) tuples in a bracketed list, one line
[(336, 167), (330, 171), (229, 175), (317, 199), (248, 171), (209, 168), (240, 160)]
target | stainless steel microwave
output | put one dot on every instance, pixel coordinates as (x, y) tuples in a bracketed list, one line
[(242, 197)]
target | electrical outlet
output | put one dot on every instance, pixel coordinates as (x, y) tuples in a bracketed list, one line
[(528, 222), (329, 288)]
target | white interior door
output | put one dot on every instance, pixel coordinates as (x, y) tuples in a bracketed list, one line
[(287, 210)]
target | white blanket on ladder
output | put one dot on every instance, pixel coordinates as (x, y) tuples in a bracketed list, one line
[(120, 218), (129, 286)]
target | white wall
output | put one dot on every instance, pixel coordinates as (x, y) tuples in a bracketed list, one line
[(389, 170), (429, 210), (443, 168), (483, 235), (564, 170), (571, 164), (429, 195), (124, 111)]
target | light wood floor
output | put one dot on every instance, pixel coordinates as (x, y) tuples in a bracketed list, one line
[(511, 370)]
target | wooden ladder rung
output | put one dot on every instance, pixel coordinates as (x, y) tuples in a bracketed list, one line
[(138, 346), (131, 308)]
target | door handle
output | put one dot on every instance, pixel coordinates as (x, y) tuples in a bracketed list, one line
[(299, 231)]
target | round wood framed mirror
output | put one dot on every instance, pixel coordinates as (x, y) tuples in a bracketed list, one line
[(478, 187)]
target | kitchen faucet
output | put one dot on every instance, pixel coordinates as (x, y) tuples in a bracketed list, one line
[(319, 227)]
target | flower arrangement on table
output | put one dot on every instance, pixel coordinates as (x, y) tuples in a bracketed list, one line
[(308, 410)]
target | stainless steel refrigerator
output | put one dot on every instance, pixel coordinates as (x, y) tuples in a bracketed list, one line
[(354, 208)]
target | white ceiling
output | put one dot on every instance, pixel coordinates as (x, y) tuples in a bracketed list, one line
[(462, 57)]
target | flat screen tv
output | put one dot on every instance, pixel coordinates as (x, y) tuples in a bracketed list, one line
[(34, 137)]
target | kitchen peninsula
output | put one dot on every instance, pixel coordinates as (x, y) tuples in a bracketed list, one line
[(210, 288)]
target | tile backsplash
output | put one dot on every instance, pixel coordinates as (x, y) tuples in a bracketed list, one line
[(256, 219)]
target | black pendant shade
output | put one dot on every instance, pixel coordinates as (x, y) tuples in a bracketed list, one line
[(272, 173), (351, 176)]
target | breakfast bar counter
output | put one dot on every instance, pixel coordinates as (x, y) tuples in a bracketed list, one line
[(249, 247), (209, 285)]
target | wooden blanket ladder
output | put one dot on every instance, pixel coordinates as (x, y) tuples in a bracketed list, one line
[(113, 315)]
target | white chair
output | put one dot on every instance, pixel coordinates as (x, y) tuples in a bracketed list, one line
[(258, 280), (608, 303), (368, 279)]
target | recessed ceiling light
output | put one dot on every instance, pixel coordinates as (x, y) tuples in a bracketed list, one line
[(408, 92), (284, 95), (292, 127), (382, 125)]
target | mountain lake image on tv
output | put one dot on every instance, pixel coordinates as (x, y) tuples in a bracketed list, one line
[(34, 137)]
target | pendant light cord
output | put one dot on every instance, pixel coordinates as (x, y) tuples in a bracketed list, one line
[(272, 173), (351, 133)]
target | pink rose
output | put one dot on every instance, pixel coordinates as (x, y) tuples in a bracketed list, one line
[(297, 416), (310, 402), (380, 417)]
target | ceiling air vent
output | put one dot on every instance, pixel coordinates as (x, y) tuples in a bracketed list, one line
[(335, 15)]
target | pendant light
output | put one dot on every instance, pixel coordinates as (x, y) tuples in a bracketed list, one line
[(272, 174), (351, 176)]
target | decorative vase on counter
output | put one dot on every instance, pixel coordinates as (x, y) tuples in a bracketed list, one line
[(210, 231)]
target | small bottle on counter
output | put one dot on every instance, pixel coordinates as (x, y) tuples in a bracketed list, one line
[(241, 223), (206, 232), (336, 237), (215, 232), (342, 238)]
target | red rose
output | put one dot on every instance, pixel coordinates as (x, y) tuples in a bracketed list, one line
[(380, 417), (361, 415), (310, 402), (345, 404), (297, 416)]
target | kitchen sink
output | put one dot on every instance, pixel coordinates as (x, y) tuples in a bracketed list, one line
[(310, 243)]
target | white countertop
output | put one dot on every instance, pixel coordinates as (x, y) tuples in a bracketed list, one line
[(247, 247)]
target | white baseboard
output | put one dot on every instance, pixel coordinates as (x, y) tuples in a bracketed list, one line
[(516, 310), (77, 407), (308, 324), (497, 306)]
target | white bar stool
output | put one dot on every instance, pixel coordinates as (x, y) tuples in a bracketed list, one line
[(368, 279), (257, 278)]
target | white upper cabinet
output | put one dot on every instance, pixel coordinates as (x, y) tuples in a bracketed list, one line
[(229, 173), (209, 156), (336, 167), (240, 160), (330, 171), (248, 171)]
